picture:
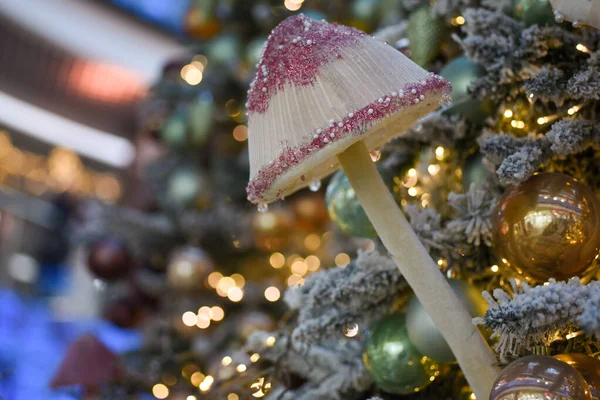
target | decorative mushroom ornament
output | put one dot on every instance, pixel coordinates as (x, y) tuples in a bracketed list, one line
[(323, 97)]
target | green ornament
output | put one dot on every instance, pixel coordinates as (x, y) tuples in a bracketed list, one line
[(474, 171), (174, 130), (188, 187), (314, 14), (392, 360), (365, 10), (461, 73), (424, 32), (345, 209), (200, 118), (423, 333), (254, 50), (533, 12), (224, 49)]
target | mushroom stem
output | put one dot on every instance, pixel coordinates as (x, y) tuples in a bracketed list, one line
[(475, 357)]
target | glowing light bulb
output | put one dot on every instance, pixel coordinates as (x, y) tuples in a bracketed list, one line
[(272, 294), (160, 391)]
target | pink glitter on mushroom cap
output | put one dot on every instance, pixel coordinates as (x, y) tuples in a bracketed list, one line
[(295, 50), (318, 89)]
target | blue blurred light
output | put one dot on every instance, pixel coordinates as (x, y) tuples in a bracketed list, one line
[(167, 14)]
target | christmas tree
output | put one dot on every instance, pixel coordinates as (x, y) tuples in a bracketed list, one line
[(486, 289)]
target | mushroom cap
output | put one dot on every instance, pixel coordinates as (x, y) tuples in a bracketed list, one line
[(318, 89)]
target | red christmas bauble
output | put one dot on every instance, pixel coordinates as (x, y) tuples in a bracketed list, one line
[(109, 259)]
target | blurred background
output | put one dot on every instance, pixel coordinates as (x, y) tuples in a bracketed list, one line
[(124, 224)]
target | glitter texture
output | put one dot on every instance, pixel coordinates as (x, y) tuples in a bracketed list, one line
[(294, 52), (356, 124)]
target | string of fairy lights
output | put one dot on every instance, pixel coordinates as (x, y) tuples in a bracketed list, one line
[(60, 171)]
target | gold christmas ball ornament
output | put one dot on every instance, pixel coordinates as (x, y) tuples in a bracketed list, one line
[(588, 367), (548, 227), (188, 267), (540, 378)]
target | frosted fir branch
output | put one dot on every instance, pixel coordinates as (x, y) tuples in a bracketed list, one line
[(519, 158), (540, 314), (538, 42), (427, 224), (437, 129), (335, 299), (549, 84), (570, 136), (490, 87), (497, 5), (447, 7), (594, 60), (497, 147), (333, 371), (482, 22), (585, 85), (475, 210), (141, 231), (521, 165), (490, 51), (589, 319)]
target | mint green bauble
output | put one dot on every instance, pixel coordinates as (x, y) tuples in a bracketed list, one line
[(475, 171), (174, 130), (254, 50), (188, 187), (225, 49), (425, 32), (422, 331), (533, 12), (461, 73), (200, 118), (345, 209), (392, 360)]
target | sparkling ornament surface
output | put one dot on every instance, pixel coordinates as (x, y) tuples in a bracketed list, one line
[(540, 378), (548, 227), (423, 332), (188, 267), (393, 362), (588, 367), (109, 259)]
